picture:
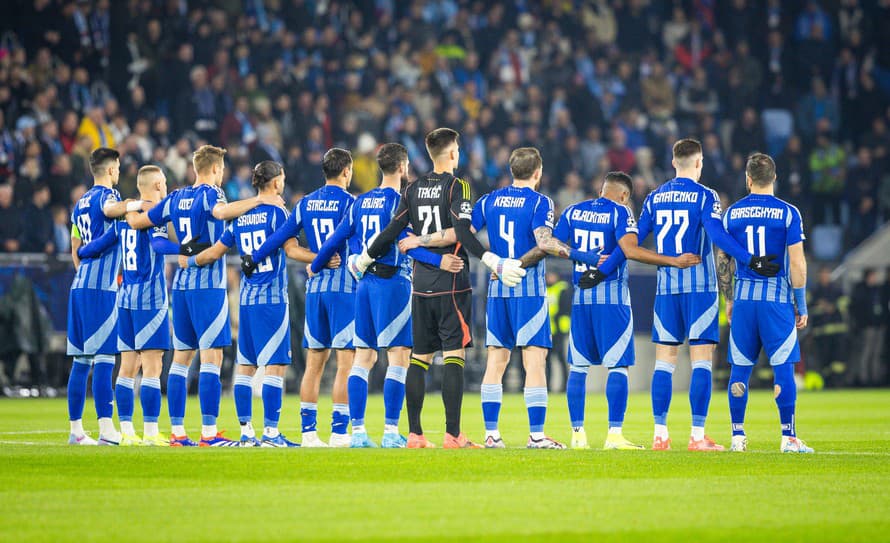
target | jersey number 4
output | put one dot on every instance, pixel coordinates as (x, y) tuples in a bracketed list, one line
[(667, 219)]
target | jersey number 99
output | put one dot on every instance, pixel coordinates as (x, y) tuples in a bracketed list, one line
[(250, 242)]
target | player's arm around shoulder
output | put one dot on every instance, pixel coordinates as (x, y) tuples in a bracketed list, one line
[(725, 274), (227, 211)]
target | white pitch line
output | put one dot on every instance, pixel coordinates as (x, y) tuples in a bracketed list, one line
[(61, 431)]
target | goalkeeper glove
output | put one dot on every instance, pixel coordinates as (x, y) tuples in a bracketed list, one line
[(352, 267), (248, 266), (764, 265), (358, 264), (509, 270), (591, 278)]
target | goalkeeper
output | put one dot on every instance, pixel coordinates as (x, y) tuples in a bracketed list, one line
[(441, 301)]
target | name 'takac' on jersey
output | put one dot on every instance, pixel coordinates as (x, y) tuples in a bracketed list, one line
[(190, 209), (596, 226), (91, 222), (676, 213), (512, 215), (144, 286), (765, 225), (432, 203), (268, 284)]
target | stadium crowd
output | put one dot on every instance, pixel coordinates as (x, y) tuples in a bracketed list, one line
[(597, 85)]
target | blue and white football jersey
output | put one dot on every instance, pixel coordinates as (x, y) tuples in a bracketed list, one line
[(765, 225), (318, 213), (372, 213), (268, 284), (143, 284), (98, 273), (512, 215), (190, 209), (596, 226), (677, 212)]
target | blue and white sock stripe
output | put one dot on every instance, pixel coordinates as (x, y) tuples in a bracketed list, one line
[(702, 365), (492, 393), (661, 365), (243, 380), (535, 396), (311, 406), (622, 371), (210, 368), (360, 372), (85, 360), (341, 408), (152, 382), (179, 369), (584, 370), (126, 382), (275, 381), (397, 373), (104, 359)]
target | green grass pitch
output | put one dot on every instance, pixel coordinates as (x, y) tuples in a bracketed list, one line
[(52, 492)]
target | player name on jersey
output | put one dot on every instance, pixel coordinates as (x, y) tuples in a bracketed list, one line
[(756, 212), (429, 192), (509, 201), (592, 217), (251, 220), (675, 197), (323, 205), (185, 204), (373, 203)]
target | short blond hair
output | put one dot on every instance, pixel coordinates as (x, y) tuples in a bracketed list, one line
[(206, 156), (146, 175)]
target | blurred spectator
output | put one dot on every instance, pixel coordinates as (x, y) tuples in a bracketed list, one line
[(95, 127), (867, 319), (862, 196), (827, 163), (793, 172), (620, 157), (816, 106), (658, 93), (10, 222), (38, 234), (571, 192), (828, 328), (61, 230)]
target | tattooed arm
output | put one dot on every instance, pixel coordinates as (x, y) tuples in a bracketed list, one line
[(532, 257), (725, 271), (549, 244)]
